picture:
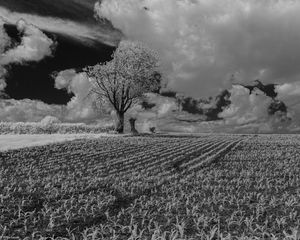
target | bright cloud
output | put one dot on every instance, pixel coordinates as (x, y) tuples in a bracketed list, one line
[(28, 110), (246, 108), (81, 105), (64, 78), (35, 46)]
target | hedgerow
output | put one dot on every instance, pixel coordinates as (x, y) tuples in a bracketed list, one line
[(51, 128)]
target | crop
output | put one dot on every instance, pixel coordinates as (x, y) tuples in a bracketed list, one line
[(153, 187)]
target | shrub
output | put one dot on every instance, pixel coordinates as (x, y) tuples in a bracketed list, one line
[(50, 120)]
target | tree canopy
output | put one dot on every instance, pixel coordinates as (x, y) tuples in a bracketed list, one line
[(122, 81)]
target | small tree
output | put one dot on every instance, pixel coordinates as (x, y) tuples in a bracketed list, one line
[(123, 81)]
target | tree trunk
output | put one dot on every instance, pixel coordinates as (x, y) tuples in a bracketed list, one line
[(132, 126), (120, 123)]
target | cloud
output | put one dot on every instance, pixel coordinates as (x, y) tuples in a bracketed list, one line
[(250, 112), (35, 46), (245, 107), (28, 110), (64, 78), (202, 43), (77, 110), (288, 90), (4, 38), (3, 73), (2, 84), (80, 108), (83, 31), (289, 93)]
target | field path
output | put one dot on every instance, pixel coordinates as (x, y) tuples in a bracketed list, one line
[(15, 141)]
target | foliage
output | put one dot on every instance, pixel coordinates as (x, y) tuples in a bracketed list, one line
[(162, 187), (220, 103), (277, 106), (131, 73), (169, 93), (49, 120), (146, 105), (268, 89), (210, 108)]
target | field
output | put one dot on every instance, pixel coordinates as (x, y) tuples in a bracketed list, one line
[(153, 187)]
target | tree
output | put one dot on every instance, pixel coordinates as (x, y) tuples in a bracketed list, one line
[(122, 81)]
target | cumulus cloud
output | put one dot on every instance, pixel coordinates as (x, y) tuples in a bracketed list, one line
[(79, 109), (3, 73), (64, 78), (289, 93), (203, 43), (81, 105), (245, 107), (4, 38), (35, 45), (250, 112), (28, 110)]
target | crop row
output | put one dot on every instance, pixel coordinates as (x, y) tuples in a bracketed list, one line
[(206, 187)]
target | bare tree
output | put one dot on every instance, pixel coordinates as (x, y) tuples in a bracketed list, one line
[(121, 82)]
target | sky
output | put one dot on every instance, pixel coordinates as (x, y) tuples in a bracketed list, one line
[(75, 38), (205, 46)]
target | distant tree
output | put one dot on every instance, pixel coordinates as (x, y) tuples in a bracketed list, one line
[(268, 89), (221, 101), (179, 100), (146, 105), (121, 82), (3, 95), (277, 106), (168, 93)]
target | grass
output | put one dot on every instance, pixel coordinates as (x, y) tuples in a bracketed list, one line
[(147, 187)]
